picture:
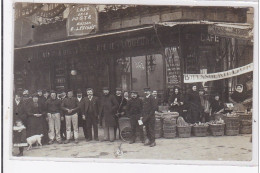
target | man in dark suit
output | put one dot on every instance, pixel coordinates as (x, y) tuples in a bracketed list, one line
[(155, 96), (90, 114), (134, 111), (81, 122), (120, 110), (107, 110), (149, 108)]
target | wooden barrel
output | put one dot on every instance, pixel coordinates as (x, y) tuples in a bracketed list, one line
[(217, 129), (158, 128), (169, 127), (184, 131), (200, 131), (245, 123), (232, 126)]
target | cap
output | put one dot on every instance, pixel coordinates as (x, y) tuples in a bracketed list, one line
[(88, 89), (147, 89), (133, 91), (69, 90), (118, 89), (79, 91), (105, 88), (34, 95), (52, 91), (39, 90)]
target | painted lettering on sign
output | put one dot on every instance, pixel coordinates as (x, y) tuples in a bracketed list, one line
[(82, 20)]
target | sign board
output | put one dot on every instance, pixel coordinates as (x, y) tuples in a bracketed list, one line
[(242, 32), (193, 78), (82, 20), (173, 68)]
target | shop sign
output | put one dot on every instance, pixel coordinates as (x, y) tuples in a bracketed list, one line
[(59, 8), (173, 70), (231, 31), (82, 20), (193, 78)]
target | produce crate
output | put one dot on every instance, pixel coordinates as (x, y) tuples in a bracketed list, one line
[(200, 131), (184, 131), (217, 129)]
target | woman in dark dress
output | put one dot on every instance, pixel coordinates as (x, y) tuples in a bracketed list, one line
[(194, 105), (175, 101), (35, 117)]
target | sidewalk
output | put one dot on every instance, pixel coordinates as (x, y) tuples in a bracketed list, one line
[(230, 148)]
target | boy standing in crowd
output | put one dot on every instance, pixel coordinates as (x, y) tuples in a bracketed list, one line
[(53, 106), (70, 107)]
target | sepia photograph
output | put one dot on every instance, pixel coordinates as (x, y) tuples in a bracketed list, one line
[(126, 82)]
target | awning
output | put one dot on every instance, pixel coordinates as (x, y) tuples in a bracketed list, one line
[(87, 37), (222, 29)]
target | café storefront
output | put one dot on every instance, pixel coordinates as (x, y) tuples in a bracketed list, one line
[(154, 55)]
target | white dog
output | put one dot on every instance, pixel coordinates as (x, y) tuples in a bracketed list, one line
[(34, 139)]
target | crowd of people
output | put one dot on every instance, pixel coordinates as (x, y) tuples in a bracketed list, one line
[(58, 116)]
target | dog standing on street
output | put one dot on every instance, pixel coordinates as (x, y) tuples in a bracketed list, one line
[(34, 139)]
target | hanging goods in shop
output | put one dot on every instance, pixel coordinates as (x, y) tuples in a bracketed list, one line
[(158, 128), (183, 128), (232, 124), (200, 129)]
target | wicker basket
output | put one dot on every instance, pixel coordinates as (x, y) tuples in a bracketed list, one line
[(232, 126), (158, 128), (184, 131), (200, 131), (217, 129), (169, 128), (246, 130), (244, 116)]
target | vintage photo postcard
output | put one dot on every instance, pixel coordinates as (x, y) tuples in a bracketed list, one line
[(134, 83)]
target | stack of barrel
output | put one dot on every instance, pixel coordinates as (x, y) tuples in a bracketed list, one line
[(245, 123), (169, 127), (158, 128)]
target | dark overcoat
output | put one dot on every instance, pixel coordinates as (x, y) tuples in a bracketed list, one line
[(19, 112), (107, 110), (149, 108)]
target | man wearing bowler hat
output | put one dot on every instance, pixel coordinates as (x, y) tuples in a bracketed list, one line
[(107, 111), (120, 110), (90, 114), (134, 111), (148, 116)]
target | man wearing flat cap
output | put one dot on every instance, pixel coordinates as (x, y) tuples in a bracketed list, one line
[(148, 116), (90, 115), (134, 110), (120, 110), (107, 111), (53, 106)]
